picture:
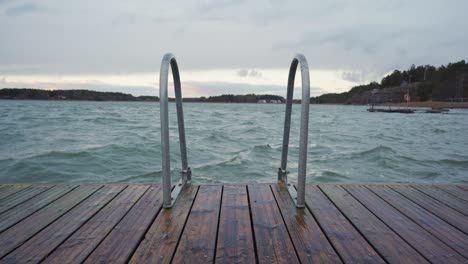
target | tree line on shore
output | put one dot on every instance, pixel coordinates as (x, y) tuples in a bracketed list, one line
[(87, 95), (436, 83), (83, 95)]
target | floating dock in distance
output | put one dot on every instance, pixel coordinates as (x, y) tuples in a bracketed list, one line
[(402, 111), (120, 223)]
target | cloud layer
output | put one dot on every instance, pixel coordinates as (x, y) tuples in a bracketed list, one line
[(364, 39)]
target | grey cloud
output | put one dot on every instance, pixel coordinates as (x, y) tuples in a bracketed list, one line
[(355, 77), (255, 74), (120, 36), (23, 9), (243, 72), (249, 73), (212, 5)]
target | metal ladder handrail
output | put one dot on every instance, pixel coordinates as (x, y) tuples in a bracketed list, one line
[(299, 195), (170, 197)]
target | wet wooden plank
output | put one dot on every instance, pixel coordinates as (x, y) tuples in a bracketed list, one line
[(390, 245), (271, 236), (8, 190), (235, 238), (198, 241), (448, 214), (21, 196), (32, 205), (347, 241), (20, 232), (130, 229), (455, 191), (444, 197), (424, 242), (311, 244), (39, 246), (78, 246), (436, 226), (60, 229), (160, 241)]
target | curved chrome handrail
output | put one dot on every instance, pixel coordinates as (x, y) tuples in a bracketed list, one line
[(299, 196), (168, 197)]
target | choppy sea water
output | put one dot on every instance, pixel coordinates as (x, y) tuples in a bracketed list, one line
[(47, 141)]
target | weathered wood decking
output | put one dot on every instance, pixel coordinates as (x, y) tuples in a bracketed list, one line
[(234, 224)]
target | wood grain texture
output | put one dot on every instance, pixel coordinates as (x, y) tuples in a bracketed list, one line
[(8, 190), (39, 246), (31, 206), (21, 196), (385, 241), (271, 236), (198, 241), (235, 238), (20, 232), (311, 244), (448, 214), (78, 246), (130, 229), (424, 242), (458, 191), (444, 197), (348, 242), (256, 223), (436, 226), (161, 240)]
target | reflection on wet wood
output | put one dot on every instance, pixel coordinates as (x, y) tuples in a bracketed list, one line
[(242, 223)]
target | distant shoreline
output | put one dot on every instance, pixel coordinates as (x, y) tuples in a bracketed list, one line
[(429, 104), (131, 101), (88, 95)]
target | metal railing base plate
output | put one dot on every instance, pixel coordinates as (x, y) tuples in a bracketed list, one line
[(175, 193)]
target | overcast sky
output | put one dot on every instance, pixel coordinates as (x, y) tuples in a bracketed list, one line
[(222, 46)]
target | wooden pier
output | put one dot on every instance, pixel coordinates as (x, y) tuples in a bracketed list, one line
[(119, 223)]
